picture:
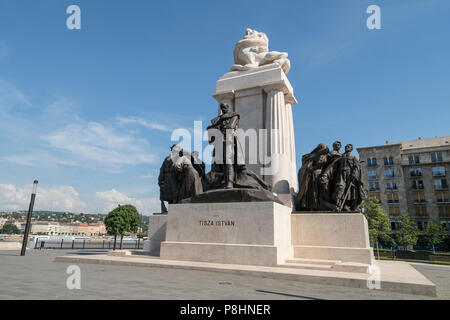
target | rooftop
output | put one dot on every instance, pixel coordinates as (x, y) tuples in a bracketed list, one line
[(416, 144)]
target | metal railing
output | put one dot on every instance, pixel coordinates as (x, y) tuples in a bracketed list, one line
[(87, 244)]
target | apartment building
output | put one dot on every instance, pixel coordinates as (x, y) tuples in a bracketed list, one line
[(410, 177)]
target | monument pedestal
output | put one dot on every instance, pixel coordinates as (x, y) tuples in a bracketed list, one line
[(340, 237), (156, 234), (246, 233)]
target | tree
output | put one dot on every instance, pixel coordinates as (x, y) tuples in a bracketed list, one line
[(10, 229), (407, 235), (377, 220), (434, 234), (122, 220)]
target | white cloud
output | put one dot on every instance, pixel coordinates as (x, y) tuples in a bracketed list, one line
[(11, 97), (39, 159), (144, 123), (62, 198), (110, 199), (101, 144), (147, 176), (62, 108)]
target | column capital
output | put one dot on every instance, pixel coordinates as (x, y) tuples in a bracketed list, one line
[(281, 86)]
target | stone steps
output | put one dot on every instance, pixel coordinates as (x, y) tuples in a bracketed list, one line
[(312, 261), (329, 265), (308, 266)]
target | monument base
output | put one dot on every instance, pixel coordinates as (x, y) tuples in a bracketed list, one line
[(156, 234), (340, 237), (246, 233)]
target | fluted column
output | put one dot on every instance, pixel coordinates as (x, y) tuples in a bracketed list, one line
[(279, 143), (291, 147)]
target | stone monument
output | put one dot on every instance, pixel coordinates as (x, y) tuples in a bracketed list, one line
[(249, 213)]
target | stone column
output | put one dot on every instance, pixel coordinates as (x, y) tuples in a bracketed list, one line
[(279, 142)]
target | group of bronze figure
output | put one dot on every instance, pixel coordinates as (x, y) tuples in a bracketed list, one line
[(328, 180)]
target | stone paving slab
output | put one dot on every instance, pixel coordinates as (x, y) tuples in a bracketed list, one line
[(396, 276), (37, 276)]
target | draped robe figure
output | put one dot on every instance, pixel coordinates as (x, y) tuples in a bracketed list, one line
[(308, 178), (190, 182)]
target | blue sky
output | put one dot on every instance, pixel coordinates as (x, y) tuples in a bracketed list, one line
[(90, 112)]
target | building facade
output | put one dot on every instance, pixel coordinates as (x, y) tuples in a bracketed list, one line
[(65, 229), (410, 177)]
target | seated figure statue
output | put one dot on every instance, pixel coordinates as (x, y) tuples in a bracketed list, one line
[(253, 51)]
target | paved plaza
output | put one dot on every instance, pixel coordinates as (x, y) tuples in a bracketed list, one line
[(37, 276)]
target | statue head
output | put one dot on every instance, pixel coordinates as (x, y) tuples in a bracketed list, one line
[(348, 148), (337, 145), (224, 107)]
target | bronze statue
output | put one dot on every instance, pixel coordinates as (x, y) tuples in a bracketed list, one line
[(167, 179), (181, 176), (227, 154), (329, 180), (188, 177)]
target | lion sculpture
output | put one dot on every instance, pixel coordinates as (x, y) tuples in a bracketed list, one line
[(253, 51)]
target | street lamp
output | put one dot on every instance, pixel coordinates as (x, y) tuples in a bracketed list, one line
[(28, 225)]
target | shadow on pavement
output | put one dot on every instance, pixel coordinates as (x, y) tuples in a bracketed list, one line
[(288, 295)]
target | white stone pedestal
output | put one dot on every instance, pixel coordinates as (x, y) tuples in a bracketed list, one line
[(331, 236), (247, 233), (156, 234)]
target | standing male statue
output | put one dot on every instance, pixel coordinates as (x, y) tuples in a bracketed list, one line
[(227, 153), (349, 192)]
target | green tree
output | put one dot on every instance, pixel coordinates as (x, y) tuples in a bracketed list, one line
[(10, 229), (377, 220), (407, 235), (122, 220), (434, 234)]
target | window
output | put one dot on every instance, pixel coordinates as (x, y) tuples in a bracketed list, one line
[(392, 198), (388, 161), (415, 172), (394, 225), (419, 197), (444, 211), (372, 162), (374, 186), (440, 184), (442, 196), (373, 174), (446, 225), (421, 225), (394, 211), (438, 171), (421, 211), (417, 184), (413, 159), (391, 186), (389, 173), (436, 157), (376, 196)]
